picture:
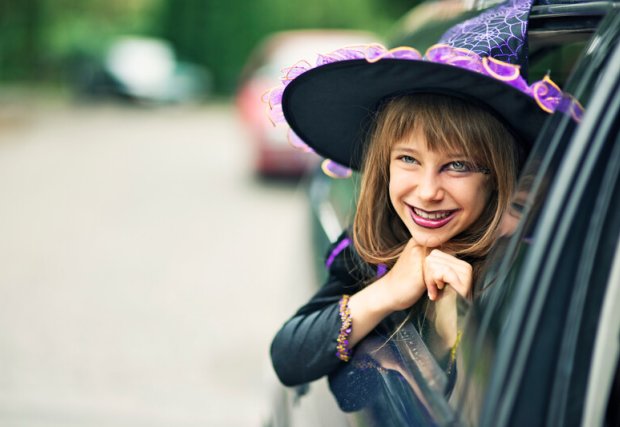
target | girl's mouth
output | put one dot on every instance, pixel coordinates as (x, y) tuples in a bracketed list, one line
[(433, 219)]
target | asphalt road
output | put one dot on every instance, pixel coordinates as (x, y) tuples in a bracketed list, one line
[(143, 270)]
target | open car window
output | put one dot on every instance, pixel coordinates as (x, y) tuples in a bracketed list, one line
[(530, 332), (393, 379)]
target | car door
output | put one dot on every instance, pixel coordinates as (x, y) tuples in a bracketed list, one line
[(533, 333)]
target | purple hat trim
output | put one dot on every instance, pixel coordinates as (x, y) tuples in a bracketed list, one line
[(499, 32), (545, 92)]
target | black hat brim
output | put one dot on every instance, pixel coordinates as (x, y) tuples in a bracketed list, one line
[(330, 107)]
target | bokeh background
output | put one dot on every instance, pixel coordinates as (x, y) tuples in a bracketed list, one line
[(47, 39), (145, 260)]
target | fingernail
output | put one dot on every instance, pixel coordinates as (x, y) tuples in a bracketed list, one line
[(430, 297)]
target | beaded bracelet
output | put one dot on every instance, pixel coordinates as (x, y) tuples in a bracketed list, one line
[(342, 348)]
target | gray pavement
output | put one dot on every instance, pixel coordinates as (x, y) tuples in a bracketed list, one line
[(143, 270)]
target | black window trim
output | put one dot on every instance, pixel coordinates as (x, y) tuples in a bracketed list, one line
[(537, 279), (592, 271), (606, 352)]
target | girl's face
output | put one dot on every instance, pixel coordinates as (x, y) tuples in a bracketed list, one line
[(436, 195)]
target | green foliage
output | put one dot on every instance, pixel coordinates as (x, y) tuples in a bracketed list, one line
[(89, 25), (221, 34), (39, 37), (20, 23)]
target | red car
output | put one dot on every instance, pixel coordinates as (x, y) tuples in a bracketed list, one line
[(274, 156)]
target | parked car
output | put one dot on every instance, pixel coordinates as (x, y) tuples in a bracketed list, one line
[(541, 346), (141, 69), (262, 72)]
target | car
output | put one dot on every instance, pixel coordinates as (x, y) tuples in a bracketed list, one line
[(541, 345), (143, 70), (272, 152)]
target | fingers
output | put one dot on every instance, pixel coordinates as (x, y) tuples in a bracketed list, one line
[(416, 272), (441, 269), (405, 279)]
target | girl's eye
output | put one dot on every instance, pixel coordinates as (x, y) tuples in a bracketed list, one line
[(459, 166), (517, 208), (407, 159)]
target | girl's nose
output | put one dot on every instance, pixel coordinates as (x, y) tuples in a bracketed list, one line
[(429, 187)]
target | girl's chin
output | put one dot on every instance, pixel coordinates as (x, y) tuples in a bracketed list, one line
[(428, 240)]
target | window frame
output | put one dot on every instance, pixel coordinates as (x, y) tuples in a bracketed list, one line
[(520, 348)]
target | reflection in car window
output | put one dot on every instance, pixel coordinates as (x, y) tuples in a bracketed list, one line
[(555, 60), (491, 314), (394, 380)]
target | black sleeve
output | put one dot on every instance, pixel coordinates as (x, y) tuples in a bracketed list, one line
[(304, 349)]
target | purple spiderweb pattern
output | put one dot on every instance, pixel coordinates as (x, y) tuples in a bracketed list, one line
[(500, 32)]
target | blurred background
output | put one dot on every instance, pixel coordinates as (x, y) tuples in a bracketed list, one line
[(154, 228)]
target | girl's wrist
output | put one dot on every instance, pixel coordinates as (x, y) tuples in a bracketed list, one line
[(393, 298), (380, 297), (367, 308)]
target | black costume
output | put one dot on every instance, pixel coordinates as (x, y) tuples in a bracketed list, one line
[(304, 349)]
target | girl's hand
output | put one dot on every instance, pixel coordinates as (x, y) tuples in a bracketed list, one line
[(404, 282), (441, 269)]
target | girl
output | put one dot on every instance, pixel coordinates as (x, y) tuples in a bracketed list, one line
[(439, 141), (429, 203)]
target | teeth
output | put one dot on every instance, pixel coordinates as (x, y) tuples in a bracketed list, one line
[(432, 215)]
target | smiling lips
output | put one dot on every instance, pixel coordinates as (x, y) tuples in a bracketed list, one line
[(434, 219)]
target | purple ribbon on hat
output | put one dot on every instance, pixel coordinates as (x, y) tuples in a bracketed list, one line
[(500, 32)]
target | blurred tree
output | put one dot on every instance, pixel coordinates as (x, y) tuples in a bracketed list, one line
[(395, 8), (220, 34), (38, 38), (89, 25), (20, 24)]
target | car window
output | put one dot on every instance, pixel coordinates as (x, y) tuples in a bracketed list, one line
[(565, 193), (393, 380), (557, 61), (602, 290)]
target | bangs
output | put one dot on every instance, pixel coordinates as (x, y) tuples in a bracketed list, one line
[(449, 125)]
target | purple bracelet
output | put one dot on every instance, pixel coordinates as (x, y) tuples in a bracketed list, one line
[(342, 348)]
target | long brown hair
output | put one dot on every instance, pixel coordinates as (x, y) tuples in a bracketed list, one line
[(448, 124)]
